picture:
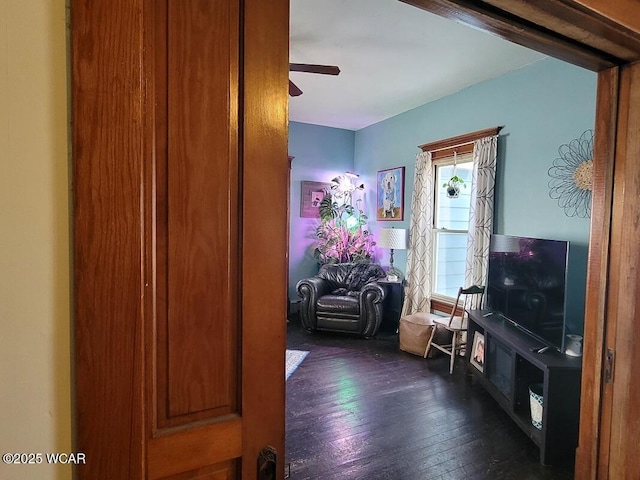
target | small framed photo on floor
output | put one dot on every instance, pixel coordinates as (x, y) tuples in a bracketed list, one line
[(477, 351)]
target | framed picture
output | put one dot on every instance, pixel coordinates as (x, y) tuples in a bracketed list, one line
[(390, 204), (477, 351), (311, 194)]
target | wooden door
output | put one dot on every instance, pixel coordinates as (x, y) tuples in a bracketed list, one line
[(180, 176)]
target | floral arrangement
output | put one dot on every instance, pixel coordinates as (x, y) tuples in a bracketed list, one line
[(342, 236)]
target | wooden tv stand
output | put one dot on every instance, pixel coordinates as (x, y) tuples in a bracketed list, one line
[(511, 364)]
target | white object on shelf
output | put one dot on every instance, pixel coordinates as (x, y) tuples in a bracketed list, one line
[(573, 345), (536, 401)]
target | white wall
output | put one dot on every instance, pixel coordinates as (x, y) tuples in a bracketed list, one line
[(35, 378)]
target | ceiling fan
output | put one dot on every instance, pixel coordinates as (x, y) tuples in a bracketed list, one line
[(294, 91)]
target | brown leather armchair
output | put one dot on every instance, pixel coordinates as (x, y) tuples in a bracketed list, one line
[(343, 297)]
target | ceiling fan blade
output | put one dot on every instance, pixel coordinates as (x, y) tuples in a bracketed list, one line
[(294, 91), (309, 68)]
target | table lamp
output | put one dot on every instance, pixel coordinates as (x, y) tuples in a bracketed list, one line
[(393, 239)]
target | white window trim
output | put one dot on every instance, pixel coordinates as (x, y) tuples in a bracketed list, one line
[(443, 162)]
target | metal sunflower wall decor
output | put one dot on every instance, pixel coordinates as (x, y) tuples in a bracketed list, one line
[(572, 176)]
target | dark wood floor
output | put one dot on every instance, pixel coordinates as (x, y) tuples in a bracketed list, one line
[(362, 409)]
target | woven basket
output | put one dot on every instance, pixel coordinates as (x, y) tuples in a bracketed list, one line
[(414, 331)]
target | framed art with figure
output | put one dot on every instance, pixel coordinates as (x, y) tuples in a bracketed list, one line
[(477, 351), (311, 194), (390, 201)]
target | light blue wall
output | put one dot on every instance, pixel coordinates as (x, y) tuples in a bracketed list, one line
[(321, 153), (541, 107)]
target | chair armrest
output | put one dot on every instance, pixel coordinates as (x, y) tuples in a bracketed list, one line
[(310, 289), (371, 297), (372, 292)]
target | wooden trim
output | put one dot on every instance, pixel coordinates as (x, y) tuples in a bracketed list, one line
[(553, 41), (449, 152), (444, 307), (597, 273), (108, 113), (459, 142), (166, 453), (154, 149), (621, 395), (264, 123), (620, 12), (578, 23)]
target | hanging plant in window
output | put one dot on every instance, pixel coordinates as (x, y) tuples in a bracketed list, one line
[(453, 185), (572, 176)]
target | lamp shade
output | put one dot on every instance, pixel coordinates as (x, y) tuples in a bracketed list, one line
[(395, 238)]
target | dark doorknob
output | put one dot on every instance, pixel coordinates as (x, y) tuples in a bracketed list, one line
[(267, 464)]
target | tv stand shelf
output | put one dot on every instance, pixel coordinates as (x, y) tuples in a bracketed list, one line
[(511, 365)]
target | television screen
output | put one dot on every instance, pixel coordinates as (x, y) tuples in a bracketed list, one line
[(527, 283)]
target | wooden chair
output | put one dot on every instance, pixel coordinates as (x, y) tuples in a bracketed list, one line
[(455, 324)]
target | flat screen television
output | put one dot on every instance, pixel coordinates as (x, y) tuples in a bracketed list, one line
[(526, 284)]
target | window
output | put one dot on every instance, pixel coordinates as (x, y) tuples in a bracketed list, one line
[(451, 225), (439, 257)]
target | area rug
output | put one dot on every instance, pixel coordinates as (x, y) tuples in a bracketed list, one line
[(293, 360)]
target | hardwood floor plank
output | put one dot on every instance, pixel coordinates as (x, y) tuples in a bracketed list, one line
[(362, 409)]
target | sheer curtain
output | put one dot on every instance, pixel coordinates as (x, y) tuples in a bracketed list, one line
[(418, 277), (483, 184)]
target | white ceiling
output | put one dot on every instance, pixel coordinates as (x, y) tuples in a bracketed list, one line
[(393, 57)]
